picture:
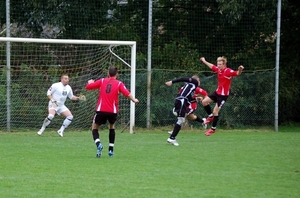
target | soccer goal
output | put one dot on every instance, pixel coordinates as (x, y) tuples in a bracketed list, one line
[(29, 67)]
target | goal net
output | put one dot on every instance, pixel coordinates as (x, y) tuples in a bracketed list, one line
[(29, 67)]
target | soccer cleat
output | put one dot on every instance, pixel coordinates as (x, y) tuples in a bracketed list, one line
[(110, 153), (99, 150), (208, 120), (60, 133), (174, 142), (170, 132), (40, 132), (203, 123), (210, 132)]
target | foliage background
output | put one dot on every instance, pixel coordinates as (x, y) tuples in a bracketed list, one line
[(183, 31)]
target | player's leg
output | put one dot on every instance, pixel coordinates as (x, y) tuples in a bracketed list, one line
[(220, 102), (112, 134), (205, 102), (215, 121), (180, 108), (47, 121), (98, 120), (64, 111), (196, 118)]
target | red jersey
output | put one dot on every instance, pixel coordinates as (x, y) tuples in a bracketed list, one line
[(193, 103), (224, 79), (109, 89)]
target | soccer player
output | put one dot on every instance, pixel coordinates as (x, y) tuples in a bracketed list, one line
[(107, 106), (57, 94), (182, 101), (198, 97), (224, 75)]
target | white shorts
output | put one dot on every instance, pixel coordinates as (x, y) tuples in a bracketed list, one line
[(59, 109)]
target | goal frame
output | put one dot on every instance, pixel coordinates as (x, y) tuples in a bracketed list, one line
[(132, 44)]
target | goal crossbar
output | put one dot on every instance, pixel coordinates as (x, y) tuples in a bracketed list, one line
[(132, 65)]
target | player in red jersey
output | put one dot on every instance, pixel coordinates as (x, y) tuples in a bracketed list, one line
[(224, 75), (198, 97), (107, 106)]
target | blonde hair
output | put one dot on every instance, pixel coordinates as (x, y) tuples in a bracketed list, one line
[(223, 59)]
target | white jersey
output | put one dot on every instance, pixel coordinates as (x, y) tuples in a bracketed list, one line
[(60, 92)]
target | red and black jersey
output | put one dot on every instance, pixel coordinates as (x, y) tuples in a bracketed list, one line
[(109, 89)]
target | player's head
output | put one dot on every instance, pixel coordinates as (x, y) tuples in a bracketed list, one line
[(197, 78), (221, 62), (112, 72), (64, 79)]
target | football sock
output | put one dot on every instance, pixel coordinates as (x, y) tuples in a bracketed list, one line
[(214, 123), (111, 136), (95, 135), (207, 108), (199, 119), (47, 120), (176, 130), (66, 122)]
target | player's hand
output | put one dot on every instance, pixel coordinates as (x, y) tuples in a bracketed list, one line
[(202, 59), (91, 81), (199, 99), (54, 103), (135, 100), (82, 98), (169, 83), (241, 67)]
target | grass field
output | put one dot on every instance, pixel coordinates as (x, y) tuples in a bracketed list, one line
[(238, 163)]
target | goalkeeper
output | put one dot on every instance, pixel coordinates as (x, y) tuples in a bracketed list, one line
[(57, 94)]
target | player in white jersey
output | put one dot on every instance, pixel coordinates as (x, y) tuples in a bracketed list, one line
[(57, 94)]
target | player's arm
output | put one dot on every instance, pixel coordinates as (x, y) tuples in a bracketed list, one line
[(130, 97), (127, 93), (231, 72), (50, 97), (93, 84), (240, 70), (188, 80), (210, 65)]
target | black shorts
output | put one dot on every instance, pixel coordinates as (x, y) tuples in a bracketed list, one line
[(219, 99), (180, 107), (101, 118)]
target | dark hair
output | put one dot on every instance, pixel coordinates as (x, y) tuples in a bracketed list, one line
[(112, 71)]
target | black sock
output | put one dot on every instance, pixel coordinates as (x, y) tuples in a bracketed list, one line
[(176, 130), (96, 136), (112, 135), (207, 109), (199, 119), (214, 123)]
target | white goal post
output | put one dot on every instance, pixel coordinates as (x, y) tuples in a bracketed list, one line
[(131, 64)]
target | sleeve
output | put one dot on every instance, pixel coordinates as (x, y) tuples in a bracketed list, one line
[(51, 89), (70, 94), (203, 92), (94, 85), (231, 72), (181, 80), (123, 89), (188, 80), (214, 68)]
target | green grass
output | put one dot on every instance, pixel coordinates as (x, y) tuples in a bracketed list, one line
[(238, 163)]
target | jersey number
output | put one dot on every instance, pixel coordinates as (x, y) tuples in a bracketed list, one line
[(108, 88)]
